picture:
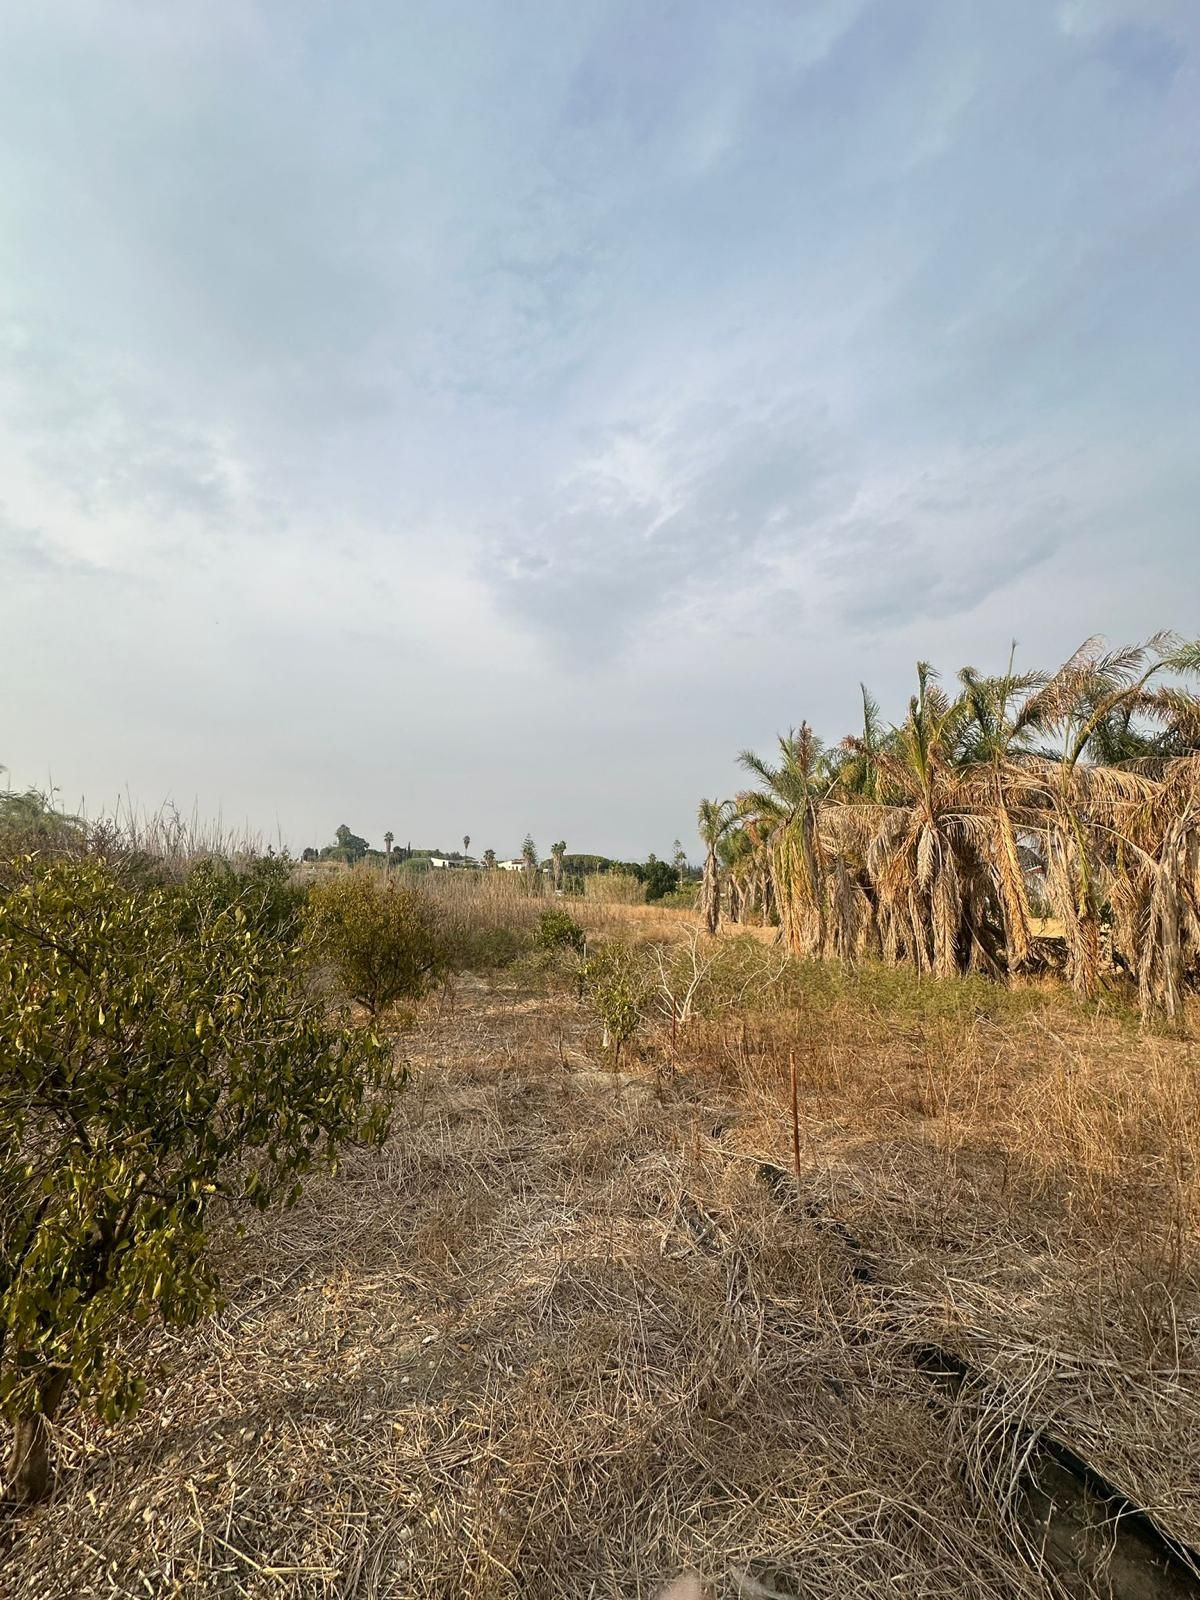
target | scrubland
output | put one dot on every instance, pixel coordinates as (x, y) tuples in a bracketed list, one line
[(848, 1281)]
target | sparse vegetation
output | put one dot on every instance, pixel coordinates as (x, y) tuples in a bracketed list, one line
[(796, 1252), (615, 889), (690, 1355)]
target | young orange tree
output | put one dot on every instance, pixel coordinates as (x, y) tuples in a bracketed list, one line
[(385, 943), (161, 1053)]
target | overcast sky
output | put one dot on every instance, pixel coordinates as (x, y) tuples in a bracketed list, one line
[(469, 417)]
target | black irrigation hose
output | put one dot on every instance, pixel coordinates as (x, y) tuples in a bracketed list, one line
[(1178, 1562)]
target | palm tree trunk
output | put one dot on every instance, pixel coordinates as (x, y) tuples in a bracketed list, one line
[(710, 892), (735, 898), (1010, 884)]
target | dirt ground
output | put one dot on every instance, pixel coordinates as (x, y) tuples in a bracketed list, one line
[(570, 1334)]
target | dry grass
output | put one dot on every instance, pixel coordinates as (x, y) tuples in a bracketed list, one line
[(483, 902), (655, 921), (614, 888), (509, 902), (560, 1339)]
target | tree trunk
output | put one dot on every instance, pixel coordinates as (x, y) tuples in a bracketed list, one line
[(28, 1478), (710, 892)]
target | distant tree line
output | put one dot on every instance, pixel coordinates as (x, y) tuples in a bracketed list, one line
[(568, 870)]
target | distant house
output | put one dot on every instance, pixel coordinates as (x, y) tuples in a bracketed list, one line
[(517, 864), (452, 861)]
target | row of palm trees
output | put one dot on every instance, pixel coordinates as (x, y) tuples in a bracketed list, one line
[(949, 840)]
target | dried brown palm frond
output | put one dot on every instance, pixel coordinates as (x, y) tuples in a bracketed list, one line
[(796, 865), (1161, 956), (1056, 699), (785, 807), (1001, 853), (1154, 859), (850, 912)]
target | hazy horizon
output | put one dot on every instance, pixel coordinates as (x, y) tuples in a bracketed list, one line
[(491, 420)]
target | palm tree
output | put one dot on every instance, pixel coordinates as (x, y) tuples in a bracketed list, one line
[(1091, 702), (928, 855), (1175, 708), (557, 851), (785, 809), (489, 858), (1003, 715), (857, 763), (714, 819), (914, 841), (739, 857)]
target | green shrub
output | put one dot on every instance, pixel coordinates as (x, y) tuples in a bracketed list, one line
[(617, 980), (683, 899), (384, 942), (660, 878), (558, 930), (265, 888), (31, 822), (158, 1053)]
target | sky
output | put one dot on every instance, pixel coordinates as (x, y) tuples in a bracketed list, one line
[(462, 418)]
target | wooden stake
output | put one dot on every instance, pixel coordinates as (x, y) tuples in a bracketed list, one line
[(795, 1117)]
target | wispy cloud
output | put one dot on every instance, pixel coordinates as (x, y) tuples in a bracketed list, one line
[(440, 374)]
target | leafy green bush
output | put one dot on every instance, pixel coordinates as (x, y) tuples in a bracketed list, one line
[(660, 878), (384, 942), (558, 930), (683, 899), (157, 1054), (265, 888), (617, 980)]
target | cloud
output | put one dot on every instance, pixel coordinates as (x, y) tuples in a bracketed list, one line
[(28, 555), (695, 503), (444, 375), (1148, 56)]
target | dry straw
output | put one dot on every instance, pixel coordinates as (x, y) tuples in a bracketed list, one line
[(562, 1339)]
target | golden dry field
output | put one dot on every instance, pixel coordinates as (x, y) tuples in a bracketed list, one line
[(572, 1332)]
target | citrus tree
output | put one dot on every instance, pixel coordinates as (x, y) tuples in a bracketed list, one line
[(617, 981), (385, 943), (160, 1055)]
